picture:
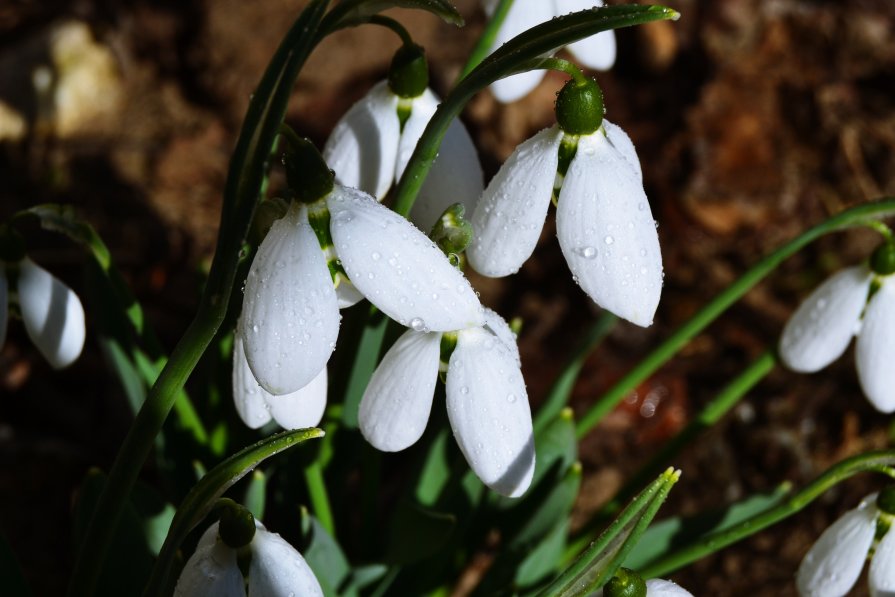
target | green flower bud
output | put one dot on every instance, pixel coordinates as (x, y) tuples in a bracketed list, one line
[(309, 178), (882, 260), (408, 75), (237, 525), (452, 233), (579, 107), (625, 583), (885, 501), (12, 245)]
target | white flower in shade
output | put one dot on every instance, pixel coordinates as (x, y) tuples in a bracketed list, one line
[(369, 149), (290, 317), (487, 403), (276, 569), (256, 407), (51, 311), (822, 327), (603, 220), (833, 564), (596, 52)]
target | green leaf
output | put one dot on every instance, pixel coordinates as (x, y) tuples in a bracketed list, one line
[(355, 12), (201, 498), (598, 563), (666, 535), (542, 561), (256, 494), (416, 533), (361, 343), (326, 558)]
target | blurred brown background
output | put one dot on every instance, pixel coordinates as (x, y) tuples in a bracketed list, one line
[(753, 119)]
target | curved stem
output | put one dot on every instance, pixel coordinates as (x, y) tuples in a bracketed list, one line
[(245, 177), (879, 462), (395, 26), (486, 39), (856, 216), (884, 230), (560, 65)]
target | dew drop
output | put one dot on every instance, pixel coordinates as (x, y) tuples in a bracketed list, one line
[(417, 324), (609, 240)]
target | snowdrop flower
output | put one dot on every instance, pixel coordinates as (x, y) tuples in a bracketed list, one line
[(822, 327), (833, 564), (330, 234), (256, 406), (371, 145), (487, 403), (627, 583), (596, 52), (603, 220), (276, 568), (51, 311)]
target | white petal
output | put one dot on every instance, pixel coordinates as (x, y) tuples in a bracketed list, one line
[(509, 218), (875, 352), (209, 537), (211, 572), (620, 140), (4, 305), (596, 51), (882, 567), (522, 16), (665, 588), (52, 314), (347, 294), (607, 233), (364, 145), (278, 570), (488, 409), (302, 408), (397, 267), (290, 315), (396, 404), (501, 329), (834, 562), (821, 328), (422, 109), (248, 395), (455, 177)]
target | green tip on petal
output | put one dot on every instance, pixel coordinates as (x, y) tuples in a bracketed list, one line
[(882, 261), (625, 583), (408, 75), (452, 232), (309, 178), (579, 107)]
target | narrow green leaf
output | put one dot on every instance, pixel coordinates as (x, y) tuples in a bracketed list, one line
[(416, 533), (599, 561), (542, 561), (665, 535), (255, 496), (325, 557), (355, 12), (201, 498)]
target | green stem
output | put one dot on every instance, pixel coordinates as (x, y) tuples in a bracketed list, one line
[(245, 177), (510, 58), (393, 25), (559, 393), (880, 462), (856, 216), (560, 65), (486, 39), (884, 230), (319, 496), (710, 414)]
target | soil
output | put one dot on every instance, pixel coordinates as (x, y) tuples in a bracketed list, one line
[(752, 119)]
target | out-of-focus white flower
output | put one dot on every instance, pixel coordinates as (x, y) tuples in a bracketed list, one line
[(276, 569), (51, 311), (603, 219), (290, 317), (369, 149), (833, 564), (596, 51), (487, 403), (822, 327)]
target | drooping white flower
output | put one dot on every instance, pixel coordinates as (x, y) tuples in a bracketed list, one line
[(51, 311), (603, 220), (369, 149), (256, 406), (822, 327), (276, 569), (487, 403), (658, 587), (833, 564), (596, 52), (290, 317)]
